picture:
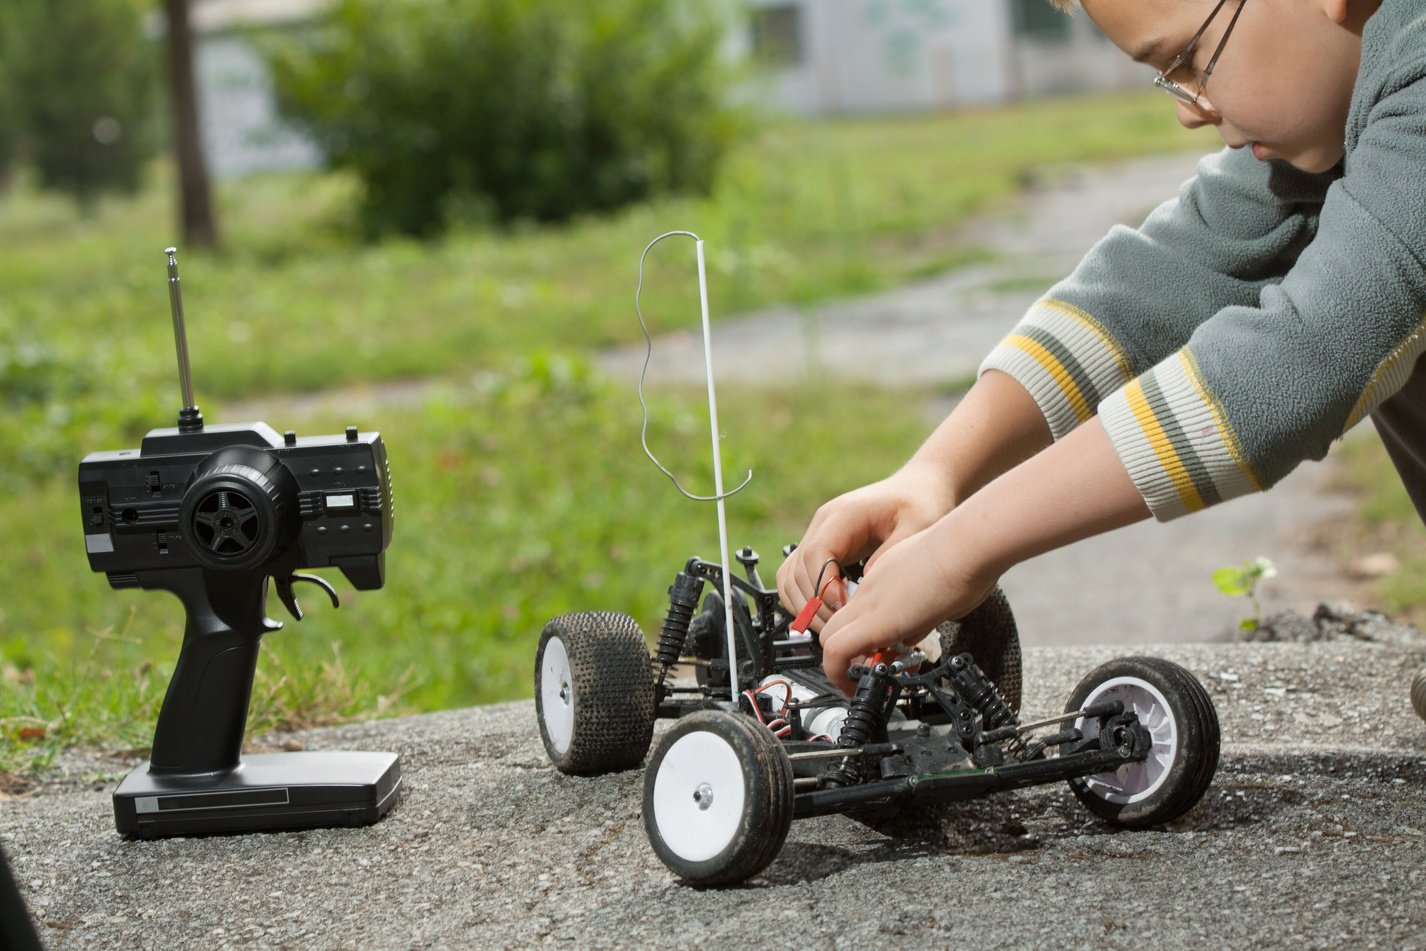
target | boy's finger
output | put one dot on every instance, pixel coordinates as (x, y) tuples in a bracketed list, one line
[(838, 652), (823, 582), (792, 582), (835, 666)]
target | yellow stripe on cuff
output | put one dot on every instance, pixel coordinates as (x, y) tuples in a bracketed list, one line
[(1163, 448), (1057, 372), (1086, 320)]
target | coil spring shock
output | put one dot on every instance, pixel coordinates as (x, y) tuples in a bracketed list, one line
[(682, 602), (864, 718), (986, 700)]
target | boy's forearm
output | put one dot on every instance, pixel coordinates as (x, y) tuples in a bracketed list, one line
[(994, 428), (1074, 489)]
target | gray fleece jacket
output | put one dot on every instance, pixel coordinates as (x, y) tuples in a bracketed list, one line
[(1260, 314)]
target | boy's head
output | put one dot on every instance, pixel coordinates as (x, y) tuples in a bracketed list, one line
[(1283, 80)]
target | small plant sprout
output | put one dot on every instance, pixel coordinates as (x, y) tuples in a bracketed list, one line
[(1242, 581)]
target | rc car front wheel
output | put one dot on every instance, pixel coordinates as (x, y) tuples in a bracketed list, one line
[(1177, 712), (717, 798), (594, 692)]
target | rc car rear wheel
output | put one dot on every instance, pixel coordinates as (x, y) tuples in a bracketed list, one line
[(717, 798), (708, 633), (594, 692), (990, 636), (1179, 715)]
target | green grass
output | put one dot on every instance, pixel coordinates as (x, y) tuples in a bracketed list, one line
[(521, 496), (1388, 523)]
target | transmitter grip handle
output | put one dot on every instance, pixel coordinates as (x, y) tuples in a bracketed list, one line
[(200, 727)]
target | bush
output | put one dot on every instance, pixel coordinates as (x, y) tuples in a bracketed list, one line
[(79, 90), (452, 110)]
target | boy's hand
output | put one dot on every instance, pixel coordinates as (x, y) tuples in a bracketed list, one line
[(916, 585), (863, 523), (1074, 489), (993, 428)]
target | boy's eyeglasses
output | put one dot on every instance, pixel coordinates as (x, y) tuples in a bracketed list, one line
[(1162, 80)]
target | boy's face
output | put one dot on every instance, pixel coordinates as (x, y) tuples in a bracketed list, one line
[(1284, 80)]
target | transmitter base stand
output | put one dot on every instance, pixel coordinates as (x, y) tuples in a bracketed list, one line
[(263, 792)]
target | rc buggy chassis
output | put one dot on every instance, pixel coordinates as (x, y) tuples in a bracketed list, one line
[(1137, 742)]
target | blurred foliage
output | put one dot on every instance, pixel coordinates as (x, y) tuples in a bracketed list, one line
[(477, 110), (78, 84), (10, 114)]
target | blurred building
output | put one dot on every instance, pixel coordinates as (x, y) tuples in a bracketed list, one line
[(242, 131), (838, 57), (815, 57)]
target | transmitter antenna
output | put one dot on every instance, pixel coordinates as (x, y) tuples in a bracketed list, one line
[(190, 419)]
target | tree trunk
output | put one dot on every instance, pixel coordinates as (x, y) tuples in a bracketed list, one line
[(200, 227)]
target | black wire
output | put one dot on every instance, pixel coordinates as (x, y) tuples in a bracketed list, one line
[(817, 589), (648, 355)]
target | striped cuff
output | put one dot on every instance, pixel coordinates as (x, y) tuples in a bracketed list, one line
[(1390, 375), (1065, 359), (1174, 439)]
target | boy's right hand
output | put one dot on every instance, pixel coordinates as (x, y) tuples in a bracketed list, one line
[(861, 524)]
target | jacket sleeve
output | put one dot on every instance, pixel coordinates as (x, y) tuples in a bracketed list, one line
[(1260, 387), (1139, 293), (1203, 410)]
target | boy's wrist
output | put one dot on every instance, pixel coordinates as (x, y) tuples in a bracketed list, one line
[(931, 482)]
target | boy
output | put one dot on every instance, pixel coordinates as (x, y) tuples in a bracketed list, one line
[(1247, 324)]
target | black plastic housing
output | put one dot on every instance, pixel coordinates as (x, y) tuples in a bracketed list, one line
[(336, 511), (266, 791), (211, 515)]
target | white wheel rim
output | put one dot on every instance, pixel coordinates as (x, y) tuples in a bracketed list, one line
[(556, 695), (1134, 781), (699, 794)]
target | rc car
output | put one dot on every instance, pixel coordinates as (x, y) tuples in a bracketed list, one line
[(761, 738)]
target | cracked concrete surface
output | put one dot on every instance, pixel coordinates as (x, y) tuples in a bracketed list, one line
[(1310, 837)]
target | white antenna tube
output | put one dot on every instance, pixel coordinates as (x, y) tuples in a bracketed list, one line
[(718, 476)]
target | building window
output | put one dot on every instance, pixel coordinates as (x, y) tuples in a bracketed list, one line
[(1037, 20), (777, 34)]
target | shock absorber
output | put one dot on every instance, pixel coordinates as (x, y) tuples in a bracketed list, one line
[(985, 699), (682, 602), (865, 717)]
